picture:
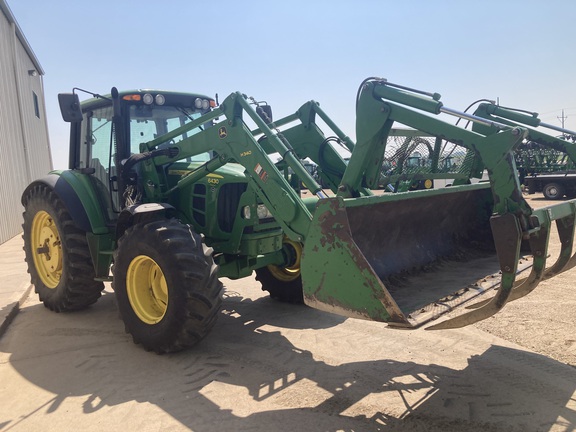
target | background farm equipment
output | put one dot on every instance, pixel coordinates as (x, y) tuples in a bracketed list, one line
[(546, 170)]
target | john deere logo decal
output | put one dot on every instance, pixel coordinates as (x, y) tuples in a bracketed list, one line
[(222, 132)]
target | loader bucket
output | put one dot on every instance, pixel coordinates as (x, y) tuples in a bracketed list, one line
[(405, 258)]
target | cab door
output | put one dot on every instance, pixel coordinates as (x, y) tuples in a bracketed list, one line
[(96, 158)]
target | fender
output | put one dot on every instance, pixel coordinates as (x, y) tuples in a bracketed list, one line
[(79, 197), (142, 213)]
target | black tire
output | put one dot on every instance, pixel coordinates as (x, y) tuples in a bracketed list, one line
[(553, 191), (166, 285), (284, 283), (57, 253), (284, 291)]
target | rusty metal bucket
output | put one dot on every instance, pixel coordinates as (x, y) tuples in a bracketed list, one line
[(406, 258)]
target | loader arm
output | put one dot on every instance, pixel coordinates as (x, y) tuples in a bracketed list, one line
[(308, 141), (535, 127), (380, 105), (233, 142)]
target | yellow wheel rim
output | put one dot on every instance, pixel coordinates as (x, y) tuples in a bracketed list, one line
[(46, 249), (290, 273), (147, 289)]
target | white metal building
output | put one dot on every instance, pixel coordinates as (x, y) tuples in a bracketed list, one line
[(24, 144)]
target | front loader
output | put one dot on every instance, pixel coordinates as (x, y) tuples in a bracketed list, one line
[(170, 191)]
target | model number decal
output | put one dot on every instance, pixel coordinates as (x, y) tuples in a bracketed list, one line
[(213, 179)]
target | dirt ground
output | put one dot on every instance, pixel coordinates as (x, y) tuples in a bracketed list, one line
[(269, 366)]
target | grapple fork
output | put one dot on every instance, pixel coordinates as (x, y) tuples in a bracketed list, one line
[(407, 258), (539, 248)]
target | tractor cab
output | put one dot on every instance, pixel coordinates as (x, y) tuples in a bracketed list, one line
[(141, 116)]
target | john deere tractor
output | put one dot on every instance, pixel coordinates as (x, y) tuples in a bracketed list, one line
[(167, 192)]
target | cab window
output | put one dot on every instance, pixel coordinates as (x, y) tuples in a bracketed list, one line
[(148, 122)]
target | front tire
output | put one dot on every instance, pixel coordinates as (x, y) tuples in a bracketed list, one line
[(166, 286), (57, 253), (284, 283)]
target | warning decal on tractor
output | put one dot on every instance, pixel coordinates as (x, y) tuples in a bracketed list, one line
[(261, 173)]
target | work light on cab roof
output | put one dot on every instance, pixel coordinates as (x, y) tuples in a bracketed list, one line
[(203, 104), (148, 99)]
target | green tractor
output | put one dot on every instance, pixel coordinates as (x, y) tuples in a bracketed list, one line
[(167, 192)]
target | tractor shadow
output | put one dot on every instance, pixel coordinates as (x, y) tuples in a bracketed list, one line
[(251, 374)]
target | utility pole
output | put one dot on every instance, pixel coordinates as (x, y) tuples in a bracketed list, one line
[(566, 136), (562, 119)]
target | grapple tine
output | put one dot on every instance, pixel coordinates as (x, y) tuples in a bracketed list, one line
[(565, 228), (508, 236), (539, 248), (571, 264), (517, 283)]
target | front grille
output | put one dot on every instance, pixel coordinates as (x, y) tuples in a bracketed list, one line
[(228, 200), (199, 204)]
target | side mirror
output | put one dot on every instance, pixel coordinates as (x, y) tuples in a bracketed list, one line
[(265, 113), (70, 107)]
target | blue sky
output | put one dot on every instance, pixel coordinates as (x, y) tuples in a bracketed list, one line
[(520, 52)]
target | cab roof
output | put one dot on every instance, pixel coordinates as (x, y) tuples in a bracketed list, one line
[(171, 98)]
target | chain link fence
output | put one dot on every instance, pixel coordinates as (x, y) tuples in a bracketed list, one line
[(421, 162)]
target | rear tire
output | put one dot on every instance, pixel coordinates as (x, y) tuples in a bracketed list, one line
[(553, 191), (166, 286), (284, 283), (57, 254)]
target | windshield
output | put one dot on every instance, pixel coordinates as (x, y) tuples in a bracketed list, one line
[(148, 122)]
